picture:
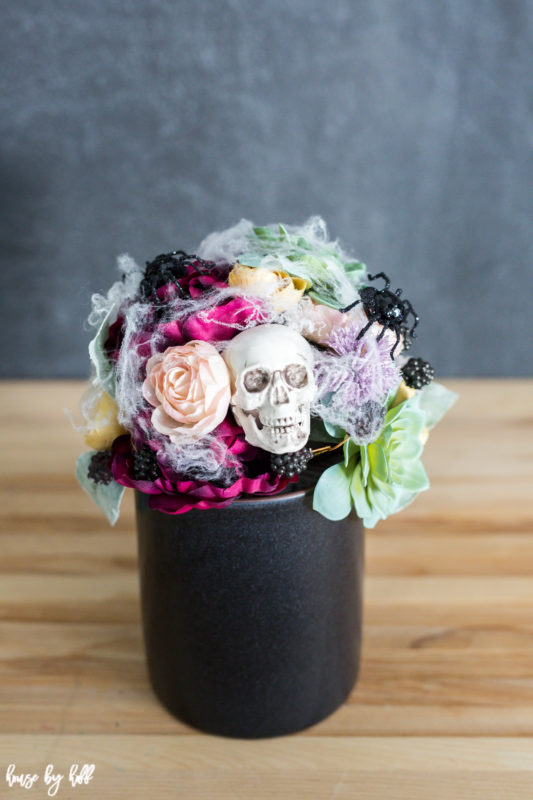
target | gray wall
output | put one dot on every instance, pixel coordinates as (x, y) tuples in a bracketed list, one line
[(140, 126)]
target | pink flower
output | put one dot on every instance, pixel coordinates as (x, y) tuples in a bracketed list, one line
[(216, 324), (189, 387), (320, 322)]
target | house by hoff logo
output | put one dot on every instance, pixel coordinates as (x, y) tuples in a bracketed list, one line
[(77, 776)]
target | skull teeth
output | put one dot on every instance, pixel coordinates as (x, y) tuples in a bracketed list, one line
[(282, 428), (282, 422)]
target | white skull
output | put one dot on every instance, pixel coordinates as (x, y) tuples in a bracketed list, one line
[(271, 368)]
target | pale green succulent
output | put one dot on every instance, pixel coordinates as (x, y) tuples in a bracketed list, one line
[(380, 478), (389, 473)]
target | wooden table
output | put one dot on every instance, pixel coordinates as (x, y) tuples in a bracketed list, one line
[(444, 704)]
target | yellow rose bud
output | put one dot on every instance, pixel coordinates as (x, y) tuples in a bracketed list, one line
[(404, 393), (104, 427), (282, 289)]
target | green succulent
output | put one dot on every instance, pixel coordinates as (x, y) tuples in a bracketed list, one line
[(380, 478), (389, 473)]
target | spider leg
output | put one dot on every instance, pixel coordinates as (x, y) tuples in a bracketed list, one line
[(352, 305), (397, 331), (382, 333), (369, 324), (380, 275), (410, 310)]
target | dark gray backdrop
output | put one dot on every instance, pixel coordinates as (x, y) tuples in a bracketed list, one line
[(140, 126)]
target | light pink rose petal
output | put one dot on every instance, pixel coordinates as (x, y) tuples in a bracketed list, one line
[(190, 388), (148, 392), (162, 422)]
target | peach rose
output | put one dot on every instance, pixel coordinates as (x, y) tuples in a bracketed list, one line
[(189, 386)]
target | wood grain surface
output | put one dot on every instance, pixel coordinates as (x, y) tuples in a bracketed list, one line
[(444, 704)]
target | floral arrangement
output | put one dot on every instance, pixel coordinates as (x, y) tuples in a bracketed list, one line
[(234, 371)]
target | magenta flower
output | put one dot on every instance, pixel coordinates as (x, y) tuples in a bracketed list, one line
[(173, 494)]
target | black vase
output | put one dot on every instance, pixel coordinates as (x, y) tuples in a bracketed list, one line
[(251, 614)]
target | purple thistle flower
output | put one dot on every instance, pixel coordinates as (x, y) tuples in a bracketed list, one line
[(354, 379)]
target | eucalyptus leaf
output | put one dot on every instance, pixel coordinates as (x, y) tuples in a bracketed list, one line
[(106, 496), (435, 400), (99, 359)]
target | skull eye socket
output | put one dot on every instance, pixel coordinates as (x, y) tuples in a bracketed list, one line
[(255, 380), (296, 376)]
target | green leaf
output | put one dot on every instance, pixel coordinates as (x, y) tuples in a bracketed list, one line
[(322, 431), (106, 496), (326, 300), (265, 233), (335, 431), (355, 272), (102, 365), (392, 413), (331, 497)]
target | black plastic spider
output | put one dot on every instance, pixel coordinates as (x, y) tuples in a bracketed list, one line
[(168, 268), (386, 308)]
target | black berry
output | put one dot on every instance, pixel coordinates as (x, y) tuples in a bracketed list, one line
[(417, 373), (290, 464), (145, 466), (407, 339), (99, 469)]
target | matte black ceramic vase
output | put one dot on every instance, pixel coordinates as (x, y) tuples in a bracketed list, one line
[(251, 614)]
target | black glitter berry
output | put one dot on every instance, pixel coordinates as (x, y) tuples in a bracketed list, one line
[(291, 464), (99, 469), (417, 373), (145, 466), (407, 339)]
